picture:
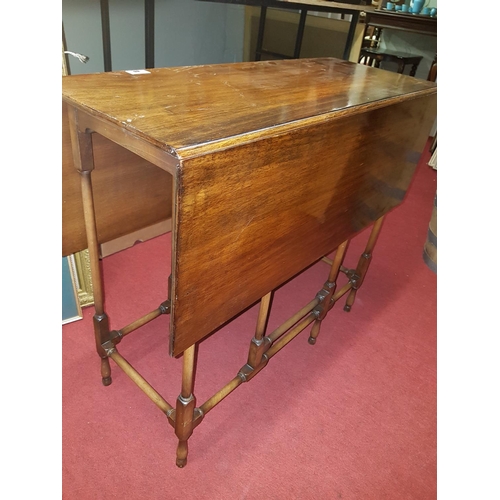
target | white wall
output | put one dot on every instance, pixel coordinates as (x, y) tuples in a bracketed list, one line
[(187, 32), (82, 27)]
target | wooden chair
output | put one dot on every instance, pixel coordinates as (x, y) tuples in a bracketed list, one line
[(375, 56), (432, 76)]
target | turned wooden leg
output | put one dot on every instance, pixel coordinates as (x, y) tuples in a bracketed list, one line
[(186, 402), (363, 264), (101, 321), (106, 371), (257, 344), (81, 142), (328, 291)]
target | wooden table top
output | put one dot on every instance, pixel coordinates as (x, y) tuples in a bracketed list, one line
[(190, 110)]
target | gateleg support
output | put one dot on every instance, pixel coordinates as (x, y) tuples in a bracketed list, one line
[(321, 310), (328, 291), (185, 406), (101, 322), (363, 264), (83, 158), (260, 343)]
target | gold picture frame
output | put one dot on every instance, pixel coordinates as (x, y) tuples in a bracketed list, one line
[(71, 308), (84, 278)]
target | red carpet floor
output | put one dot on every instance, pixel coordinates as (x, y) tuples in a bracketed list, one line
[(353, 417)]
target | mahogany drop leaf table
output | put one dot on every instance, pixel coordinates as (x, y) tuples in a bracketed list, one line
[(273, 166)]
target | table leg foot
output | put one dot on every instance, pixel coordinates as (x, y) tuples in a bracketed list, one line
[(182, 451), (347, 308), (314, 332), (105, 371)]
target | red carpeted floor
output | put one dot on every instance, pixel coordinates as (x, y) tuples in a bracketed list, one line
[(353, 417)]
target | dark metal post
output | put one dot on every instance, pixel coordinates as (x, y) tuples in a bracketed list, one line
[(350, 35), (106, 35), (260, 36), (149, 18), (300, 34)]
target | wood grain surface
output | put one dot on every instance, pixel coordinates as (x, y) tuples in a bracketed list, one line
[(193, 110), (275, 163), (251, 217)]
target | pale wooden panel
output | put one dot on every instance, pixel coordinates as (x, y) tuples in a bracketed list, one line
[(130, 193)]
